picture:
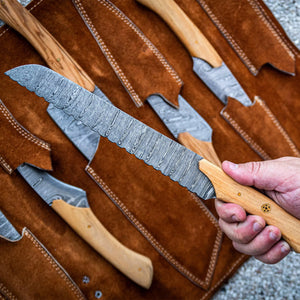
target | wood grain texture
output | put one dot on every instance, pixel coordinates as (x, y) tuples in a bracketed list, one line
[(132, 264), (57, 58), (253, 202), (189, 34), (204, 149)]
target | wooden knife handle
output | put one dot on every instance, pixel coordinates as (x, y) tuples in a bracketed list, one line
[(253, 202), (57, 58), (185, 29), (204, 149), (134, 265)]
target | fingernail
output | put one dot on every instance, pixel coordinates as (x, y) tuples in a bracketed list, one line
[(273, 236), (235, 218), (285, 248), (257, 227), (232, 165)]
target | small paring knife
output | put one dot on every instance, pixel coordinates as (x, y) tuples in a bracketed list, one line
[(172, 159)]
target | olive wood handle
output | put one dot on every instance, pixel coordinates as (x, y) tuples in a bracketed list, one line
[(204, 149), (185, 29), (132, 264), (253, 202), (58, 59)]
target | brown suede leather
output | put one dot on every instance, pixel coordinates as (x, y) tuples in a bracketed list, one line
[(243, 119), (145, 210), (35, 274), (235, 22)]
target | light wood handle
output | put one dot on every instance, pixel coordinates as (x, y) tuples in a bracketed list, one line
[(253, 202), (185, 29), (132, 264), (204, 149), (57, 58)]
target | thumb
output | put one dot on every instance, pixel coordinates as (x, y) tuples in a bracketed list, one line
[(261, 174)]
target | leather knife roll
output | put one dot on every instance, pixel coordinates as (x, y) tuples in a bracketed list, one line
[(147, 221)]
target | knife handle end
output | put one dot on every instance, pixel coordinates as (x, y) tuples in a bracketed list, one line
[(253, 202), (135, 266)]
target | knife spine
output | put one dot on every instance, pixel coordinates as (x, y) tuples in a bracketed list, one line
[(7, 230)]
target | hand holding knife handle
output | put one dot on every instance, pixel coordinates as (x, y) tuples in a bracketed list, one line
[(58, 59), (72, 205), (186, 30)]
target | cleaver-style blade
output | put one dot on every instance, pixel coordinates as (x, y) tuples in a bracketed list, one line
[(207, 63), (187, 126), (72, 205), (172, 159)]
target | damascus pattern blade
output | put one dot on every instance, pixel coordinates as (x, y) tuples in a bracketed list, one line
[(182, 119), (50, 189), (220, 81), (157, 150), (7, 230)]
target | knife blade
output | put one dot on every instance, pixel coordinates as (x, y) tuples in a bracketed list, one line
[(72, 205), (187, 126), (207, 63), (58, 59), (170, 158), (7, 230)]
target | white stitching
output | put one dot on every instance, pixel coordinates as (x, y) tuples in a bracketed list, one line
[(153, 241), (246, 137), (111, 58), (27, 135), (5, 165), (55, 266), (7, 292), (278, 125)]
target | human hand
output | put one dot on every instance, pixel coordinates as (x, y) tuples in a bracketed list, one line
[(280, 180)]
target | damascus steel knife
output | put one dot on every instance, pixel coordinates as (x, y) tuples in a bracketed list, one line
[(169, 157), (207, 63), (7, 230), (72, 205)]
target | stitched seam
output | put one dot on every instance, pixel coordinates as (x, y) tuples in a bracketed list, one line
[(278, 125), (119, 72), (229, 37), (218, 240), (5, 165), (271, 29), (246, 137), (158, 55), (148, 235), (7, 292), (21, 131), (212, 289), (55, 266), (287, 43)]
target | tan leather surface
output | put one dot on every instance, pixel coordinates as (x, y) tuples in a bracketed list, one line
[(144, 210)]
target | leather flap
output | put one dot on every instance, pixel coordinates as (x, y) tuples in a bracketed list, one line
[(131, 55), (256, 43), (23, 145), (259, 127)]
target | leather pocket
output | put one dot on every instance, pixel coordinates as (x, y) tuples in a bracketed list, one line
[(259, 127), (174, 221), (29, 271), (256, 43)]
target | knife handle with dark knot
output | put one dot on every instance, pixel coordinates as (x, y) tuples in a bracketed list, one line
[(189, 34), (58, 59)]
